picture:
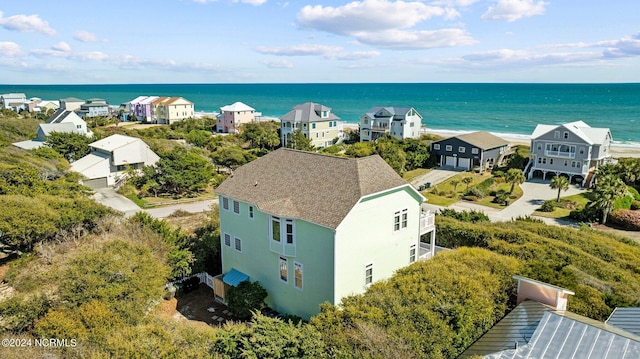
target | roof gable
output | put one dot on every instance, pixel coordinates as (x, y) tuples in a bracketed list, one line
[(236, 107), (316, 188), (308, 112)]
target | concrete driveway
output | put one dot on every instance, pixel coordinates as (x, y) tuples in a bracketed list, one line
[(110, 198), (536, 191), (434, 177)]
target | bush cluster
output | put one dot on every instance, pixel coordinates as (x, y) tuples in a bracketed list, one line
[(626, 219)]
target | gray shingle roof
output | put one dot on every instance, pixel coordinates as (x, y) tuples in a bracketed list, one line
[(483, 140), (308, 112), (316, 188)]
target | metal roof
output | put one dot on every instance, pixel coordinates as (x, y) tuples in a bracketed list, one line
[(626, 318), (234, 277)]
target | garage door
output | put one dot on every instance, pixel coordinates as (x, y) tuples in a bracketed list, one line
[(464, 163), (96, 183), (450, 161)]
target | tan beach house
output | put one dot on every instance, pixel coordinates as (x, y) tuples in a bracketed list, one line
[(315, 121)]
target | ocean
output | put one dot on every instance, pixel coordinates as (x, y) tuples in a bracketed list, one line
[(512, 109)]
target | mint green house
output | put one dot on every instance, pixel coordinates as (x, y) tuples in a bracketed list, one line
[(313, 228)]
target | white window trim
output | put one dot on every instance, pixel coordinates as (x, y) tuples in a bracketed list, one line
[(224, 238), (462, 149), (436, 146), (474, 151), (401, 223), (413, 257), (279, 220), (296, 265), (235, 246), (225, 203), (236, 204), (448, 148), (251, 212), (366, 276), (286, 263)]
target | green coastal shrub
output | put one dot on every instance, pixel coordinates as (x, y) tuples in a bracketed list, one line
[(548, 206)]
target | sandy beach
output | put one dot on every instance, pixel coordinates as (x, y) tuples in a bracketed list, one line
[(617, 150)]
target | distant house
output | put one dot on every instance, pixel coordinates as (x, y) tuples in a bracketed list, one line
[(480, 150), (48, 105), (111, 157), (172, 109), (573, 149), (61, 121), (32, 104), (541, 327), (13, 101), (233, 116), (399, 122), (315, 121), (313, 228), (71, 103), (94, 107)]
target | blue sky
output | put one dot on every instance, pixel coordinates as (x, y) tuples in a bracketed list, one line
[(307, 41)]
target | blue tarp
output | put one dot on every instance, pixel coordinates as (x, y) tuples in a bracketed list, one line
[(234, 277)]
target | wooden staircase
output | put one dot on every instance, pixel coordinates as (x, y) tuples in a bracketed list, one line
[(589, 179)]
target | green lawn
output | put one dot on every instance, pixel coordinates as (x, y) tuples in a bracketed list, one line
[(580, 199), (443, 194)]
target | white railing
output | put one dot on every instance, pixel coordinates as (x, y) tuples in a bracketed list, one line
[(563, 154), (204, 277), (427, 221)]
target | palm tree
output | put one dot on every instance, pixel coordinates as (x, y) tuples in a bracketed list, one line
[(467, 181), (454, 183), (561, 183), (514, 176), (609, 189)]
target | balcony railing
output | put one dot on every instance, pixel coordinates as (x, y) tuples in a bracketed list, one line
[(380, 128), (562, 154), (427, 222)]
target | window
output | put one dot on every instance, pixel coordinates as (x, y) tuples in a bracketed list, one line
[(297, 274), (449, 148), (236, 207), (550, 161), (313, 125), (368, 274), (474, 151), (225, 203), (461, 149), (366, 121), (283, 269), (582, 150), (238, 244), (566, 163), (227, 239), (412, 253), (400, 220), (566, 135), (556, 134), (251, 212), (436, 146), (289, 228), (275, 229)]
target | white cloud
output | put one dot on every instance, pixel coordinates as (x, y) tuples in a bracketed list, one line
[(386, 24), (251, 2), (299, 50), (408, 40), (10, 49), (519, 58), (62, 46), (367, 15), (278, 64), (512, 10), (624, 47), (85, 36), (26, 23), (328, 52)]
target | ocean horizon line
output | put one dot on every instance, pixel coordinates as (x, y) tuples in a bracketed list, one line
[(318, 83)]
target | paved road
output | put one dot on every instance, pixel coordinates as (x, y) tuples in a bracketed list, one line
[(194, 207), (110, 198)]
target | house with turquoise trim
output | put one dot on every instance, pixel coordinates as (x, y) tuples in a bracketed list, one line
[(313, 228)]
